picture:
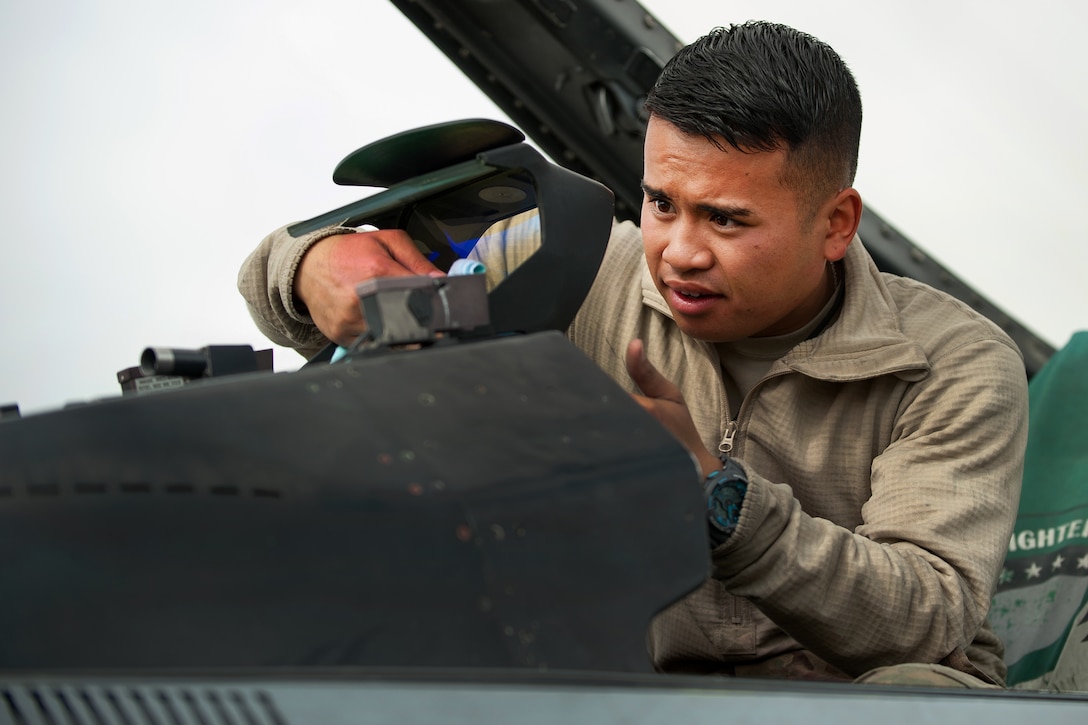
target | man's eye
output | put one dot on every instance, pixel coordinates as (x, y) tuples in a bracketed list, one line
[(661, 205), (721, 221)]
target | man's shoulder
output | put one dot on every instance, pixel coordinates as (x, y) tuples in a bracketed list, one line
[(938, 321), (624, 247), (618, 283)]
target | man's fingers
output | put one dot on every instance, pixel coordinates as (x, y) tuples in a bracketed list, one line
[(402, 249), (645, 403), (647, 377)]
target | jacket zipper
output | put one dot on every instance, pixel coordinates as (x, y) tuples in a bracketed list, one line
[(726, 446)]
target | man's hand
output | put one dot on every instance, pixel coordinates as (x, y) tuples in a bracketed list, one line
[(662, 399), (326, 277)]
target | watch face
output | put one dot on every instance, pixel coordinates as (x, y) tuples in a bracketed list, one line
[(725, 490)]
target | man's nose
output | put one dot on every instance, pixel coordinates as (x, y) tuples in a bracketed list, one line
[(685, 250)]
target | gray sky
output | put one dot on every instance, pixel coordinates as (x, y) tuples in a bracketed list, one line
[(148, 146)]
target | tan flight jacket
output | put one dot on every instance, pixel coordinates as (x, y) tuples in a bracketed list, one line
[(885, 459)]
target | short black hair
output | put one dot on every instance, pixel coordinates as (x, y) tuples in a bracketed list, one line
[(762, 86)]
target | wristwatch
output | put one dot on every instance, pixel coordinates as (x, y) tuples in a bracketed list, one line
[(724, 490)]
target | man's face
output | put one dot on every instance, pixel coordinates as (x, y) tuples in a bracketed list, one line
[(725, 241)]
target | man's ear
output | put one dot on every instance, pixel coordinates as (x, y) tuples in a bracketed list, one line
[(843, 216)]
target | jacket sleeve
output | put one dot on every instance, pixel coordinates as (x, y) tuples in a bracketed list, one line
[(266, 282), (913, 582)]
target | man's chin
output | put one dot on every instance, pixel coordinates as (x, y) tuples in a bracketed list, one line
[(706, 330)]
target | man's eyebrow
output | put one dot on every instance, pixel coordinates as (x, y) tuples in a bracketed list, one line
[(732, 212), (652, 192)]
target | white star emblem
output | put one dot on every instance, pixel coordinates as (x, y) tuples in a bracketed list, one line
[(1006, 576), (1034, 571), (1058, 562), (1082, 563)]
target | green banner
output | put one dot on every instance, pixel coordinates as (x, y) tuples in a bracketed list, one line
[(1044, 583)]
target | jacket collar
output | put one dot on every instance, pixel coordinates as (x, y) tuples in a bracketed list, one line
[(865, 340)]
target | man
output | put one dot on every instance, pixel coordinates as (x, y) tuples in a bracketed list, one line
[(862, 434)]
